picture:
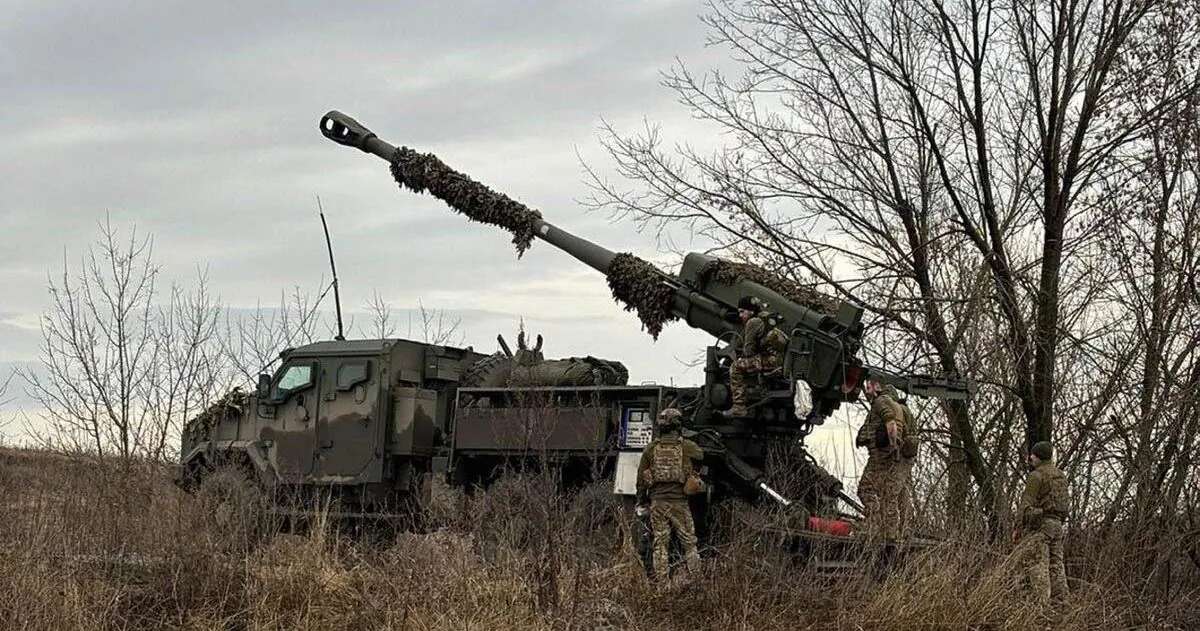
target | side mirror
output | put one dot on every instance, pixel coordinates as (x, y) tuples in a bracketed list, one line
[(264, 386)]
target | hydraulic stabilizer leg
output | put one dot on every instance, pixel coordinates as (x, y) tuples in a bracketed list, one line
[(773, 494)]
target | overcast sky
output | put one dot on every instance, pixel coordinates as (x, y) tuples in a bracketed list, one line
[(196, 122)]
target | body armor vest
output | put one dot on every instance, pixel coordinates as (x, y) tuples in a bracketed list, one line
[(668, 461)]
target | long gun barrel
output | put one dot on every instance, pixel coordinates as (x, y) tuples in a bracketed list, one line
[(824, 333), (657, 297), (344, 130)]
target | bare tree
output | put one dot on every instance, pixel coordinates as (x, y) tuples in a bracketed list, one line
[(380, 313), (437, 327), (4, 398), (934, 161), (432, 326), (97, 346), (120, 373), (189, 364), (116, 372), (1135, 428), (251, 343)]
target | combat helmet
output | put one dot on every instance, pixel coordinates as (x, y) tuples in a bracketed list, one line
[(669, 419), (749, 304)]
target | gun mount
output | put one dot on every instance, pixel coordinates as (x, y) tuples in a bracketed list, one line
[(824, 334)]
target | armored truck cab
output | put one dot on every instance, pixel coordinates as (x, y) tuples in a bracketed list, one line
[(362, 419), (367, 422)]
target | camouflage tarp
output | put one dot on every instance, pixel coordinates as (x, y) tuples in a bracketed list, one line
[(573, 371)]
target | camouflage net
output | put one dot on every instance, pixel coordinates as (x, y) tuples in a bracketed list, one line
[(420, 172), (638, 285), (228, 406), (729, 273)]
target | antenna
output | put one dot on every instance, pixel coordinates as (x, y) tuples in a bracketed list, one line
[(337, 298)]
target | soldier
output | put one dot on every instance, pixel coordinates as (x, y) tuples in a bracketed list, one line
[(1043, 508), (665, 467), (760, 354), (909, 448), (883, 487)]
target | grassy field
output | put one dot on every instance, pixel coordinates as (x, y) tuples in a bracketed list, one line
[(86, 546)]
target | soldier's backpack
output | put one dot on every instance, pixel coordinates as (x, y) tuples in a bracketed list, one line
[(1058, 496), (910, 446), (667, 464)]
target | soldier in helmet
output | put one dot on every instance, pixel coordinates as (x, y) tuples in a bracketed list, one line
[(761, 352), (883, 486), (1041, 512), (665, 468)]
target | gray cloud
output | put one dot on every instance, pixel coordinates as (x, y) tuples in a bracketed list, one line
[(196, 122)]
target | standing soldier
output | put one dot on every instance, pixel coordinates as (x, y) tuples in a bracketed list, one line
[(883, 487), (761, 352), (665, 468), (910, 443), (1043, 508)]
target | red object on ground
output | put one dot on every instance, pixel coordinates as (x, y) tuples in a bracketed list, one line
[(835, 527)]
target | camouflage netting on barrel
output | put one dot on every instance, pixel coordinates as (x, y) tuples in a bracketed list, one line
[(638, 285), (729, 273), (422, 172)]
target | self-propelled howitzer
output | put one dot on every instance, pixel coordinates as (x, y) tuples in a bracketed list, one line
[(824, 334)]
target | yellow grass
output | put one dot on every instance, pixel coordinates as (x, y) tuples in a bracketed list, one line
[(85, 546)]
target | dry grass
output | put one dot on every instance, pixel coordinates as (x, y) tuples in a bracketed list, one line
[(105, 548)]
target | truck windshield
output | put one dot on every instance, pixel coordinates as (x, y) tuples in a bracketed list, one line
[(294, 378)]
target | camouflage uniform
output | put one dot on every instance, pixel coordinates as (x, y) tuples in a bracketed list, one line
[(665, 465), (1044, 506), (884, 484), (908, 457), (761, 353)]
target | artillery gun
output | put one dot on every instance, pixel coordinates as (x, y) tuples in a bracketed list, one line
[(820, 367)]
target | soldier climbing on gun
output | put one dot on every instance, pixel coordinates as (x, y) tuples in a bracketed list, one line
[(667, 474), (759, 357)]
